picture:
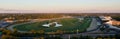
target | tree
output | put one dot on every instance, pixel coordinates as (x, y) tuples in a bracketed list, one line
[(58, 37), (7, 32), (41, 31), (99, 37), (33, 31), (7, 37), (74, 38), (4, 37), (102, 28), (41, 37), (117, 36), (59, 31), (15, 31)]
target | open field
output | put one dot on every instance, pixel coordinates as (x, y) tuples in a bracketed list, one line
[(69, 25)]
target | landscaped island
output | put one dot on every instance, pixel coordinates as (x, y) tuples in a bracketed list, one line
[(68, 25)]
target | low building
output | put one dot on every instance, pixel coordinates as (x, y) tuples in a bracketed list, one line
[(105, 18), (114, 22)]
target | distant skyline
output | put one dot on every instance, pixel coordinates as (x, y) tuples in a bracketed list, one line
[(59, 6)]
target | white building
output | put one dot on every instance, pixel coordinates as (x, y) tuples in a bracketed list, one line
[(56, 24), (46, 25)]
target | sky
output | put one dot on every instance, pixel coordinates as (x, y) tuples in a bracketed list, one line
[(59, 6)]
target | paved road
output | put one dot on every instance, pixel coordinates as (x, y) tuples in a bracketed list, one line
[(93, 24), (67, 36)]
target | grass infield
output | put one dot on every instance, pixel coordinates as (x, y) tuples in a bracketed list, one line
[(69, 25)]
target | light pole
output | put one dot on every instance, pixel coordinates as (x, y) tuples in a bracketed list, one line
[(77, 31)]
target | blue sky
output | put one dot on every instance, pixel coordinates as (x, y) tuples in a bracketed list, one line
[(59, 6)]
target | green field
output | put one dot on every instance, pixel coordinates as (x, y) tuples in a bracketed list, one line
[(69, 25)]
